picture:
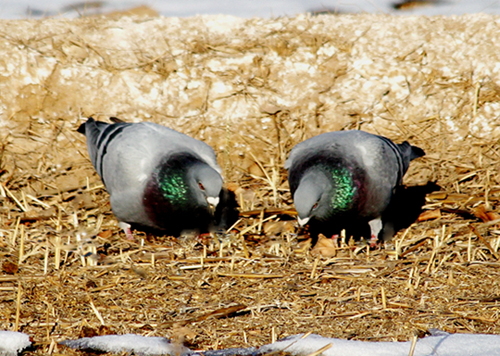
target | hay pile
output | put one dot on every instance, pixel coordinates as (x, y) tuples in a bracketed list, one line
[(252, 89)]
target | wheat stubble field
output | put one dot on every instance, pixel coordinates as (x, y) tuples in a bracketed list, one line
[(251, 89)]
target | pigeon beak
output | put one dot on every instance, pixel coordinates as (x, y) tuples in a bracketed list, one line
[(212, 203), (304, 221)]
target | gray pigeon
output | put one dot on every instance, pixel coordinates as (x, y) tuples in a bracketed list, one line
[(344, 178), (156, 177)]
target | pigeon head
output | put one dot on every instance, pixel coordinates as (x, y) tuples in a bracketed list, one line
[(323, 191), (205, 183), (183, 187), (311, 196)]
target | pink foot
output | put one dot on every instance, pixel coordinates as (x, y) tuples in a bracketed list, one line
[(335, 238), (127, 230), (204, 238), (375, 227)]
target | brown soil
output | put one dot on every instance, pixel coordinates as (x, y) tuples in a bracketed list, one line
[(252, 89)]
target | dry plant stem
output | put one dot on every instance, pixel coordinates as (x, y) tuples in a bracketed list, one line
[(253, 275), (315, 266), (486, 243), (9, 193), (96, 312), (18, 306), (21, 245), (272, 183), (413, 345), (382, 296), (320, 351)]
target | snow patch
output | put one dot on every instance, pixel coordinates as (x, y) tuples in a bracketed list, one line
[(13, 343), (138, 344), (442, 344)]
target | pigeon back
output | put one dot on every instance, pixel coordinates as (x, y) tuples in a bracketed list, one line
[(138, 148)]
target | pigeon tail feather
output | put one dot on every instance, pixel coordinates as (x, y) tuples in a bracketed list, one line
[(81, 128), (411, 152), (115, 119)]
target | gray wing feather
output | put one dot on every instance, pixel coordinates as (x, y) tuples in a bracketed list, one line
[(138, 149), (181, 142), (375, 153), (95, 132)]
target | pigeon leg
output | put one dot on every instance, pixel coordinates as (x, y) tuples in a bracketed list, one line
[(375, 227), (126, 229), (204, 238), (335, 239)]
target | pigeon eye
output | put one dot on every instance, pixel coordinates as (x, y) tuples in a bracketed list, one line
[(202, 187), (315, 206)]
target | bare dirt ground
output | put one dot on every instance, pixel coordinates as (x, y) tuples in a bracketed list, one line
[(252, 89)]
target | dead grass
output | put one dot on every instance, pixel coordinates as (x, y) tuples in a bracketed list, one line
[(68, 272)]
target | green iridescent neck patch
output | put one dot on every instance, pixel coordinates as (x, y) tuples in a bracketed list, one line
[(345, 189), (173, 186)]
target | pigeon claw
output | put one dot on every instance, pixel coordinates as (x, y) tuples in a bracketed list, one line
[(127, 230), (374, 241)]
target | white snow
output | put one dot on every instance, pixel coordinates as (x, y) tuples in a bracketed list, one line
[(262, 8), (12, 343), (441, 344), (137, 344)]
